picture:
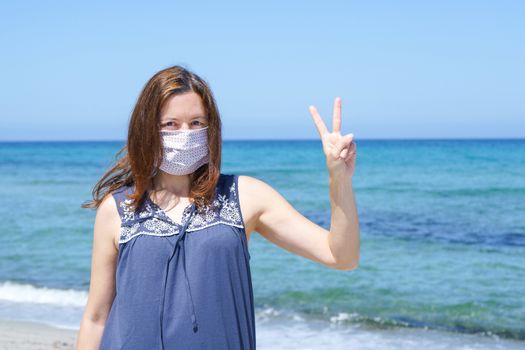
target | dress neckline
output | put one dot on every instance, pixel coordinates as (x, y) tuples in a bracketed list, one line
[(185, 213), (165, 215)]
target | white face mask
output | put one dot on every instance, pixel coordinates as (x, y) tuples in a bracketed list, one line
[(184, 150)]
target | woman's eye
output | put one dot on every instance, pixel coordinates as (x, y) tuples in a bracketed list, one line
[(172, 125)]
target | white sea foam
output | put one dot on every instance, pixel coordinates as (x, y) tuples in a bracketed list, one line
[(26, 293), (313, 335)]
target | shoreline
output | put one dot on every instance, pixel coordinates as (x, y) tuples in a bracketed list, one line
[(35, 335), (32, 335)]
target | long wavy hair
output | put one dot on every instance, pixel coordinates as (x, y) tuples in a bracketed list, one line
[(137, 162)]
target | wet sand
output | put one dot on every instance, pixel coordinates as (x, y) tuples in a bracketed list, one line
[(25, 335)]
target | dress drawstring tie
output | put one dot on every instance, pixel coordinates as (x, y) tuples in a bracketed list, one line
[(182, 248)]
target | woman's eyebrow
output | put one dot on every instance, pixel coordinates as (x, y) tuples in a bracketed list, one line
[(175, 118)]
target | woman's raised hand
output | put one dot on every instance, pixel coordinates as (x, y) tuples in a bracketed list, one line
[(339, 150)]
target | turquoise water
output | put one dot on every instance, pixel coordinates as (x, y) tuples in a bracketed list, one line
[(442, 235)]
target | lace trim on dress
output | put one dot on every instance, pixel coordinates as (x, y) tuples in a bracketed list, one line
[(151, 220)]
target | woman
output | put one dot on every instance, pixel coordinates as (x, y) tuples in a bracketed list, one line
[(170, 265)]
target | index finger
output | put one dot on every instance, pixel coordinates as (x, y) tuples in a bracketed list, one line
[(321, 127)]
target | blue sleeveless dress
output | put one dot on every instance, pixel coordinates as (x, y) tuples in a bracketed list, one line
[(182, 286)]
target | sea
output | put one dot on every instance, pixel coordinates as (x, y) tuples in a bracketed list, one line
[(442, 234)]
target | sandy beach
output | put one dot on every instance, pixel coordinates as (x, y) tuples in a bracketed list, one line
[(25, 335)]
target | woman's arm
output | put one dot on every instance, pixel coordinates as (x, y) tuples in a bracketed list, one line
[(340, 153), (279, 222), (102, 283)]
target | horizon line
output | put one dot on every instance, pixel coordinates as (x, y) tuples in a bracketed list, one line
[(288, 140)]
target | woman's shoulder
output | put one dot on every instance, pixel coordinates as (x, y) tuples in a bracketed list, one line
[(249, 183), (108, 220), (255, 193)]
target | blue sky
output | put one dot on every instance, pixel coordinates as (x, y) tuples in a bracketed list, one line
[(404, 69)]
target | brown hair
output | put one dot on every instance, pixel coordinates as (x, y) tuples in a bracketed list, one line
[(137, 162)]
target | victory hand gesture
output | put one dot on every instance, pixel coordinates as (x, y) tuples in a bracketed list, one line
[(339, 150)]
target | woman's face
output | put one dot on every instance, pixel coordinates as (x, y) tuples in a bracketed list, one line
[(183, 112)]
